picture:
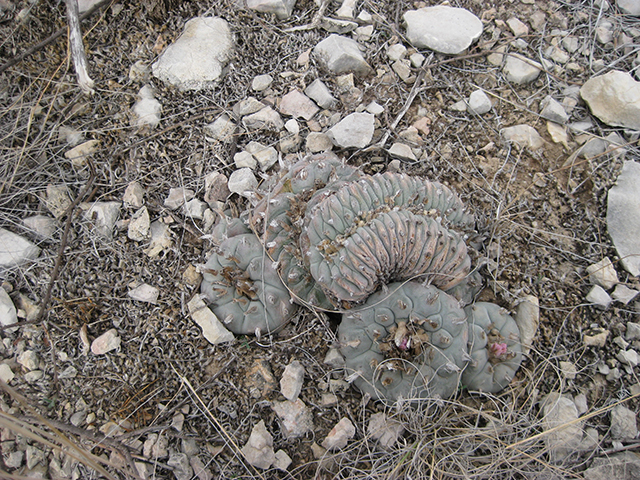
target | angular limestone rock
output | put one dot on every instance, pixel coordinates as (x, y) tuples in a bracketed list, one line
[(341, 55), (258, 450), (15, 250), (212, 328), (614, 98)]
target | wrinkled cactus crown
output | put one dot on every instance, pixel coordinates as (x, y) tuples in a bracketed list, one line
[(387, 249)]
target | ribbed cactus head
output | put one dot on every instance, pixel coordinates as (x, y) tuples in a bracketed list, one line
[(494, 346), (407, 341)]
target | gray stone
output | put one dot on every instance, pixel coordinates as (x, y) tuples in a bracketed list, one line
[(292, 380), (596, 338), (160, 239), (212, 329), (282, 460), (281, 8), (15, 250), (599, 297), (568, 370), (133, 195), (295, 418), (628, 357), (195, 209), (138, 229), (553, 110), (385, 430), (145, 293), (265, 119), (624, 294), (298, 105), (106, 342), (139, 72), (147, 109), (621, 466), (178, 197), (58, 200), (6, 375), (347, 8), (340, 54), (292, 126), (524, 136), (155, 446), (244, 159), (41, 225), (442, 28), (339, 435), (355, 130), (243, 182), (403, 70), (335, 25), (318, 142), (258, 450), (78, 154), (603, 273), (592, 148), (518, 28), (397, 51), (215, 188), (8, 314), (527, 318), (479, 103), (623, 423), (417, 59), (559, 411), (630, 7), (614, 98), (402, 151), (179, 462), (266, 156), (104, 216), (520, 70), (29, 360), (623, 216), (222, 129), (261, 82), (248, 106), (34, 456), (14, 459), (604, 31), (33, 376), (320, 93), (375, 108), (195, 61)]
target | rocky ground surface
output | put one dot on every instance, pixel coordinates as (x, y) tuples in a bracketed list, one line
[(111, 368)]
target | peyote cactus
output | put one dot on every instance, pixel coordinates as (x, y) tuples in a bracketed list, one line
[(495, 348), (325, 235), (407, 341)]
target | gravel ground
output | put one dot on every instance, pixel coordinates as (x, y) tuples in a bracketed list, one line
[(166, 403)]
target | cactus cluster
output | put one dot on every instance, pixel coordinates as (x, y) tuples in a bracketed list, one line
[(387, 249)]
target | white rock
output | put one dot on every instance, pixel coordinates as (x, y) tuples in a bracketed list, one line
[(258, 450), (335, 25), (282, 460), (8, 314), (147, 109), (442, 28), (417, 59), (265, 156), (459, 106), (624, 294), (334, 358), (633, 331), (78, 155), (623, 423), (519, 69), (375, 108), (355, 130), (599, 297), (244, 159), (339, 435), (340, 54), (58, 200), (178, 197), (281, 8), (553, 110), (295, 418), (106, 342), (138, 229), (248, 106), (243, 182), (160, 239), (527, 318), (518, 28), (29, 360), (559, 411), (568, 370), (41, 225), (558, 133), (155, 446), (264, 119), (292, 380), (385, 430), (145, 293), (222, 129), (6, 375), (402, 151), (195, 61), (292, 126), (604, 31), (86, 5), (139, 72), (133, 195), (298, 105), (33, 376), (69, 135), (212, 328), (104, 216), (628, 357), (603, 273), (179, 463), (396, 51), (364, 34), (479, 102), (630, 7), (614, 98), (15, 250), (623, 216), (320, 93), (261, 82), (403, 69), (195, 209), (318, 142), (592, 148), (523, 136), (346, 9), (597, 338)]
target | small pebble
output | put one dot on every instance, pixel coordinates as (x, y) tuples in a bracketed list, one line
[(106, 342)]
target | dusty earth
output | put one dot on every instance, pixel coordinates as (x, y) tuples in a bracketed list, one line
[(541, 222)]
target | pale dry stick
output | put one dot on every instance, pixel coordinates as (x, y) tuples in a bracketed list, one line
[(235, 450), (72, 450), (317, 18), (77, 48)]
